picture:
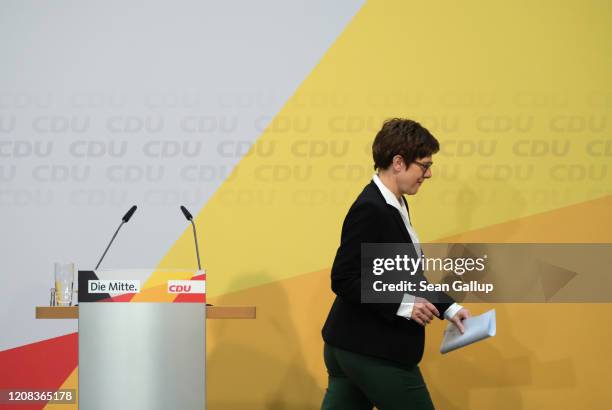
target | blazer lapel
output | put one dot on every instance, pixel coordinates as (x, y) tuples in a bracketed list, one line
[(400, 222), (393, 211)]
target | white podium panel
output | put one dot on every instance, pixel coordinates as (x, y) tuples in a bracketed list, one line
[(141, 354)]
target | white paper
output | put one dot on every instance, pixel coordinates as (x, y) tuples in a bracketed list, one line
[(476, 328)]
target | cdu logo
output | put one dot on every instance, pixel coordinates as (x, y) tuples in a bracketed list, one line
[(179, 288), (187, 286)]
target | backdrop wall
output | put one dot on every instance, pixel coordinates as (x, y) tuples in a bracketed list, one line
[(262, 118)]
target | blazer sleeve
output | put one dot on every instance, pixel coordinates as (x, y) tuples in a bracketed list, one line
[(361, 225)]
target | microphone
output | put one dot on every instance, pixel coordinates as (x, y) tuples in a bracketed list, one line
[(129, 214), (186, 213), (124, 220), (189, 217)]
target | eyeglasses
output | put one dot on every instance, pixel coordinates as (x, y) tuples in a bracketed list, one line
[(424, 167)]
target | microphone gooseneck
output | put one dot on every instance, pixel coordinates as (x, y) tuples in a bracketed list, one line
[(189, 217), (124, 220)]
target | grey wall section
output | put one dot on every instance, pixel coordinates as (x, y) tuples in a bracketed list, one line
[(108, 104)]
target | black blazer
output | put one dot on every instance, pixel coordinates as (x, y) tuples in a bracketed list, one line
[(371, 329)]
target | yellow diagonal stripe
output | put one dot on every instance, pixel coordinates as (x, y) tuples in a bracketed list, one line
[(516, 94)]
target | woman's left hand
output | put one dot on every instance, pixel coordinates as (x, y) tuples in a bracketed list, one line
[(457, 320)]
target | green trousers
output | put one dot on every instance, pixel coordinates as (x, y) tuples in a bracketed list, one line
[(359, 382)]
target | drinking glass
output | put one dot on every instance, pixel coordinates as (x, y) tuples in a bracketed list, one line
[(64, 279)]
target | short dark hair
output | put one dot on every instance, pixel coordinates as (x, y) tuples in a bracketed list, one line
[(401, 136)]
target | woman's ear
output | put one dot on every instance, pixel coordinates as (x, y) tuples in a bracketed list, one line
[(398, 163)]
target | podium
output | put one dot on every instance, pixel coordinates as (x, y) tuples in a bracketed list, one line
[(142, 338)]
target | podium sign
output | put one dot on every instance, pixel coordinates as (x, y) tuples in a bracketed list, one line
[(142, 340)]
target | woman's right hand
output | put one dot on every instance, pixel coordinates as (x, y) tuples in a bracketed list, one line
[(423, 311)]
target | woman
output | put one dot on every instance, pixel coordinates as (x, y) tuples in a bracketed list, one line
[(372, 350)]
